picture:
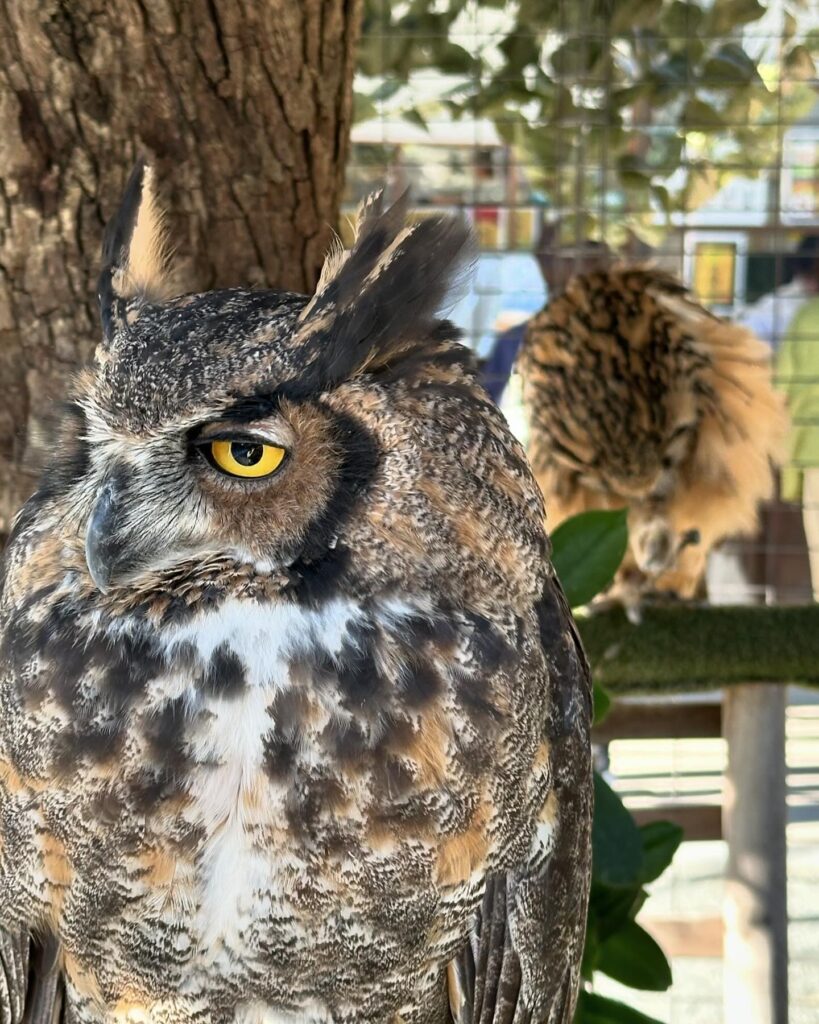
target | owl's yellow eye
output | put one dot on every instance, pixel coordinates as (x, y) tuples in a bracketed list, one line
[(246, 458)]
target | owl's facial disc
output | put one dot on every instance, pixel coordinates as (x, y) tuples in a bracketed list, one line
[(122, 542), (280, 481), (250, 491)]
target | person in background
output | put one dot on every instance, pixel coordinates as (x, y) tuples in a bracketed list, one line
[(557, 264), (785, 553), (771, 316), (497, 368), (797, 374), (780, 564)]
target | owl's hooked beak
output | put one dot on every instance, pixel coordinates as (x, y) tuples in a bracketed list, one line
[(104, 548)]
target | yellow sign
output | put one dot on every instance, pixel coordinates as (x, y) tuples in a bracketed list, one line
[(714, 267), (525, 223)]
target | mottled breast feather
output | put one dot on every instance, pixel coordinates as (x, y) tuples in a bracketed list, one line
[(309, 749)]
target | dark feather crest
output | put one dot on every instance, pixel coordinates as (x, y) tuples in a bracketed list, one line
[(134, 250), (382, 298)]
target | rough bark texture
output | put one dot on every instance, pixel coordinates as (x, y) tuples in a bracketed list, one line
[(243, 106)]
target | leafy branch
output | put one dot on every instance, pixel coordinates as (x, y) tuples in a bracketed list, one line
[(645, 105), (587, 551)]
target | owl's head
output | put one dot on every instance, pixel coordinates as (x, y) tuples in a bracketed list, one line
[(272, 429)]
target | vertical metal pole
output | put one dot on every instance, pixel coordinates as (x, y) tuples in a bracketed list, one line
[(755, 814)]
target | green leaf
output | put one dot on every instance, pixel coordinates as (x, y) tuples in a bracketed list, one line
[(680, 20), (602, 703), (617, 846), (415, 117), (633, 171), (800, 63), (512, 127), (663, 197), (634, 181), (664, 153), (672, 73), (539, 12), (612, 908), (595, 1009), (633, 958), (587, 550), (660, 842), (493, 99), (577, 56), (629, 94), (363, 108), (520, 48), (453, 59), (699, 116), (630, 14), (370, 154), (730, 65), (386, 50), (387, 89), (547, 149), (727, 15)]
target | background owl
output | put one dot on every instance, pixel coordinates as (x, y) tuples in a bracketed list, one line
[(294, 722), (637, 396)]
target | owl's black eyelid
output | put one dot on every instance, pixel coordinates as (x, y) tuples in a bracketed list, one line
[(202, 442)]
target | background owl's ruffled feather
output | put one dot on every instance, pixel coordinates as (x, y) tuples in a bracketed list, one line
[(637, 396)]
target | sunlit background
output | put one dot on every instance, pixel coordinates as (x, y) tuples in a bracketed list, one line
[(683, 132)]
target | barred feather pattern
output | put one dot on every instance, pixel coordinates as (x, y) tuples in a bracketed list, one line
[(638, 397)]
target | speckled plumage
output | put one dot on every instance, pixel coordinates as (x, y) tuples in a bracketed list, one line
[(308, 749), (637, 396)]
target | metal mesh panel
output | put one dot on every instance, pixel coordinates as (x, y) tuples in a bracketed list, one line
[(711, 171), (689, 139)]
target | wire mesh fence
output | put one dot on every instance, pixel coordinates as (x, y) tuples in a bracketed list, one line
[(683, 133), (571, 132)]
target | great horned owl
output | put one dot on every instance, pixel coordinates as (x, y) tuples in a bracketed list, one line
[(294, 721), (637, 396)]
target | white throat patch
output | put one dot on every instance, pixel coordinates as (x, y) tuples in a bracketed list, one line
[(265, 636)]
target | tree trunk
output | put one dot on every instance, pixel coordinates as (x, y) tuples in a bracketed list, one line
[(243, 106)]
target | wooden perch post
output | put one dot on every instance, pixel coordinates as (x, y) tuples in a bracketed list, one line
[(738, 649), (755, 965), (686, 648)]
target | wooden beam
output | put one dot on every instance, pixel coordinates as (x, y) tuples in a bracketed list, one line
[(699, 822), (651, 721), (685, 937)]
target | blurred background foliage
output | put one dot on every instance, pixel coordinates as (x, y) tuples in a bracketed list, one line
[(644, 105)]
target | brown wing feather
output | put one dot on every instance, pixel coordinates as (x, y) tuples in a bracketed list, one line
[(638, 396), (31, 985), (522, 965)]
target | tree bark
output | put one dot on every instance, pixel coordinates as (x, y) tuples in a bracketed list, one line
[(243, 106)]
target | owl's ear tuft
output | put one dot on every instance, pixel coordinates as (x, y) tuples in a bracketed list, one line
[(135, 252), (381, 298)]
